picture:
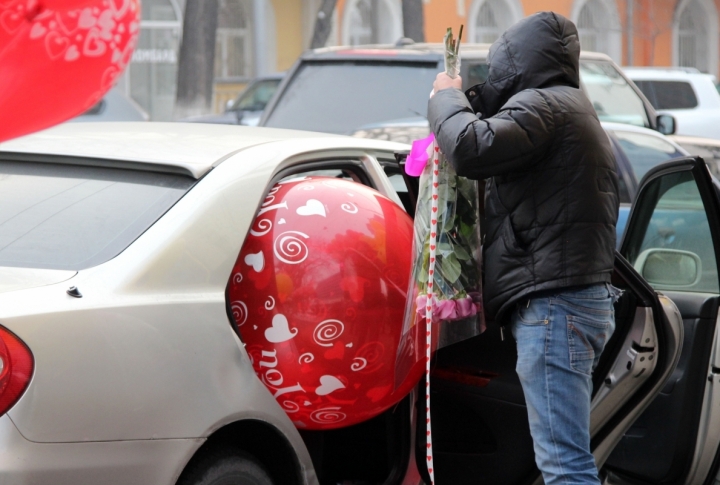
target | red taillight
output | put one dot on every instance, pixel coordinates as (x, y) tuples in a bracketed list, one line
[(17, 369)]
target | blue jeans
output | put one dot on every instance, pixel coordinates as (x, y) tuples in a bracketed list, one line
[(559, 340)]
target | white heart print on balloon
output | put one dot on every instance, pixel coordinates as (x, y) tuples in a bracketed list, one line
[(256, 261), (312, 207), (280, 330)]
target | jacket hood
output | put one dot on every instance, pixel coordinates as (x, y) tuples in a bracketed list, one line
[(539, 51)]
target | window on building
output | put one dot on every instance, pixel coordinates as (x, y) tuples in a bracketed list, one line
[(595, 27), (692, 37), (491, 20), (372, 22), (233, 40)]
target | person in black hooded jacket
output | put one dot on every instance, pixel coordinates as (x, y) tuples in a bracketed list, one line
[(551, 205)]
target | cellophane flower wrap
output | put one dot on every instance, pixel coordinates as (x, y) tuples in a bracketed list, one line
[(457, 279)]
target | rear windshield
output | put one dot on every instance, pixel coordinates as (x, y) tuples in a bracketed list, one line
[(342, 97), (669, 94), (72, 217)]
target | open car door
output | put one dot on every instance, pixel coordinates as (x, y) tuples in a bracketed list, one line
[(672, 240), (480, 426)]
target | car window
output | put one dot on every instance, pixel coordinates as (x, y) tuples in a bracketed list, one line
[(678, 226), (645, 151), (342, 97), (257, 96), (339, 173), (611, 96), (669, 94), (73, 217)]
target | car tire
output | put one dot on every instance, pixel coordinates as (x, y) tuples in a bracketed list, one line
[(224, 467)]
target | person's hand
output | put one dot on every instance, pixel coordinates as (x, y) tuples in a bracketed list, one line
[(443, 81)]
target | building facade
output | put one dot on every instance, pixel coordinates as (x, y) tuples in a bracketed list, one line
[(256, 37)]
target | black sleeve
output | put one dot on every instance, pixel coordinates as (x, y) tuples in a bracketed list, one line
[(506, 142)]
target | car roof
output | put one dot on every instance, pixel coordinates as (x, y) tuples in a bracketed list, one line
[(189, 148), (424, 51)]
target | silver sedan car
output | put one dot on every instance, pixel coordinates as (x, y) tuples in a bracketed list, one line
[(122, 362)]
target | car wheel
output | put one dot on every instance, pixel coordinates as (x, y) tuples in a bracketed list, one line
[(224, 467)]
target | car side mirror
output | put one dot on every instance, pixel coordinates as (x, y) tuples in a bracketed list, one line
[(669, 268), (666, 124)]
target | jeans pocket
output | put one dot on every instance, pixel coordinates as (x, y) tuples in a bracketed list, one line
[(586, 339), (533, 312)]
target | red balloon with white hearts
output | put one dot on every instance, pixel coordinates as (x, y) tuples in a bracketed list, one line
[(59, 57), (318, 293)]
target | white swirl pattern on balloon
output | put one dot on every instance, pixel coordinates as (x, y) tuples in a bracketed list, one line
[(237, 278), (264, 225), (291, 249), (240, 312), (328, 415), (290, 406), (327, 331), (360, 365), (306, 358), (270, 303), (349, 207)]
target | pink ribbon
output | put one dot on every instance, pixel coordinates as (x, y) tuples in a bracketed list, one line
[(419, 155)]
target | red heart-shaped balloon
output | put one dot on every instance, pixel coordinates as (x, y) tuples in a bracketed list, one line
[(59, 57)]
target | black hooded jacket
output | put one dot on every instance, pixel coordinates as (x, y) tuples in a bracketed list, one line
[(551, 199)]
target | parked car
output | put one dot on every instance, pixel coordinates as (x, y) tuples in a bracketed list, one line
[(685, 93), (391, 83), (124, 366), (114, 106), (249, 105)]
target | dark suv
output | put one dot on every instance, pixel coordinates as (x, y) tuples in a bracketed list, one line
[(341, 89)]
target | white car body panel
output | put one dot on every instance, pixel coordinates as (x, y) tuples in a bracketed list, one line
[(148, 352), (108, 463)]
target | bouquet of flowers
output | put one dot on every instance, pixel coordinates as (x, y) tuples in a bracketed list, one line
[(446, 247), (454, 246)]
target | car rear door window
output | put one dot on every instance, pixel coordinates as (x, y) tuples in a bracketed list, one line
[(669, 94), (70, 217)]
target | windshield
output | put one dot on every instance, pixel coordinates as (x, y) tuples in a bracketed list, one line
[(340, 97), (611, 95), (256, 96), (645, 151), (72, 217)]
